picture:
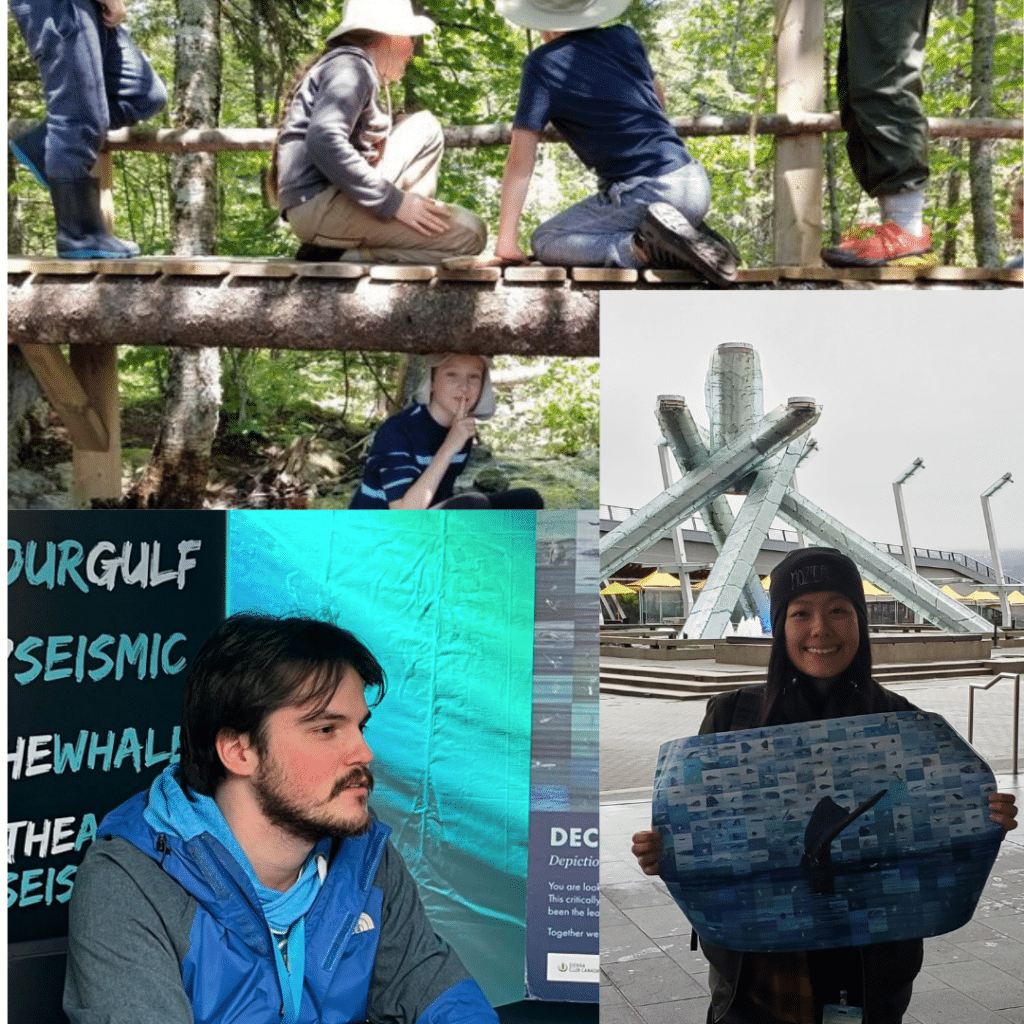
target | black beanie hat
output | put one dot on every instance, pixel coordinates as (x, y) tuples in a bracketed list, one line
[(812, 570)]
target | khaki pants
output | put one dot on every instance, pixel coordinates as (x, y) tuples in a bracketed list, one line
[(411, 160)]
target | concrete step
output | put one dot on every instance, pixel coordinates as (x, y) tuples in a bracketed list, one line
[(683, 682)]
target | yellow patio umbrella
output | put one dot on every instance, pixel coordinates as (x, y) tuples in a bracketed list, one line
[(1016, 597), (657, 579), (977, 596), (615, 589), (950, 592)]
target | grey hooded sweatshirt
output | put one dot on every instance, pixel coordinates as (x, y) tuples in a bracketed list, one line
[(332, 134)]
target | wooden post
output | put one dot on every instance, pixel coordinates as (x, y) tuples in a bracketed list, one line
[(98, 474), (799, 63), (104, 171)]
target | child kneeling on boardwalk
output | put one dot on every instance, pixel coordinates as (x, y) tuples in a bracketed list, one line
[(348, 177), (596, 86)]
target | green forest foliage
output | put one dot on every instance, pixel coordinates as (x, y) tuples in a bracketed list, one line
[(710, 57)]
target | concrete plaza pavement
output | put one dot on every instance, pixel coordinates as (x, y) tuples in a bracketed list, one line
[(648, 973)]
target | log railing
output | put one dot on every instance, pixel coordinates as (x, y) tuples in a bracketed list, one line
[(225, 140)]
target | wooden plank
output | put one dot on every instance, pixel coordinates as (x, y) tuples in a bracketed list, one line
[(604, 275), (65, 393), (195, 266), (482, 274), (51, 266), (396, 272), (535, 275), (97, 474), (671, 277), (350, 271), (242, 267), (138, 267), (758, 275)]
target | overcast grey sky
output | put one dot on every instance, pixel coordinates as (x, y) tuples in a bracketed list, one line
[(935, 374)]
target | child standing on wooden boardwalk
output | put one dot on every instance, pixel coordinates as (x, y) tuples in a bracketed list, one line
[(95, 78)]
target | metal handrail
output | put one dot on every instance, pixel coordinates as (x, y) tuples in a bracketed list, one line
[(1016, 677), (939, 555)]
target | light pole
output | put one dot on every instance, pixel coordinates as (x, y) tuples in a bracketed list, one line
[(997, 564), (678, 544), (901, 515)]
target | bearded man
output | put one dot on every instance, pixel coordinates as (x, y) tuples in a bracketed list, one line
[(251, 882)]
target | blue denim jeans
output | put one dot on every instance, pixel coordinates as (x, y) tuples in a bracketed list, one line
[(597, 232), (94, 78)]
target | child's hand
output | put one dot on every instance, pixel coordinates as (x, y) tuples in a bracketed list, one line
[(113, 12), (427, 216), (463, 426), (647, 849), (511, 253), (1003, 810)]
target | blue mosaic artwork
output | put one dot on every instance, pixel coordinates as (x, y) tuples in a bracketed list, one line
[(840, 832)]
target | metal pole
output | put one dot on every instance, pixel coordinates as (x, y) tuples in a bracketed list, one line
[(678, 544), (997, 564), (811, 446), (1016, 719), (901, 515)]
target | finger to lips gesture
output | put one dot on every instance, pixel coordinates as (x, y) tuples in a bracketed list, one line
[(113, 12), (463, 426), (426, 216)]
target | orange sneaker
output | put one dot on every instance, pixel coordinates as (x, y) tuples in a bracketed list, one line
[(882, 245)]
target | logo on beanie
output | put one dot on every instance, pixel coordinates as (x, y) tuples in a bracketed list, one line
[(811, 574)]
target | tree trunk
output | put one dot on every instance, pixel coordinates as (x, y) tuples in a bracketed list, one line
[(949, 247), (835, 224), (986, 240), (179, 465)]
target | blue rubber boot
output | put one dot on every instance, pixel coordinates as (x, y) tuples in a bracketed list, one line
[(29, 149), (81, 233)]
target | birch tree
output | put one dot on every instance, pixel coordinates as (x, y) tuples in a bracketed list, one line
[(179, 464)]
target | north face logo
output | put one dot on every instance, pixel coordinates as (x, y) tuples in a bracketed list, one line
[(811, 574)]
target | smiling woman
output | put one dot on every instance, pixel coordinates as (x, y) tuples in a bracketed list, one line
[(819, 668)]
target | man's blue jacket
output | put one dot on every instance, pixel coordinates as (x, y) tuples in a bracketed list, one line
[(170, 931)]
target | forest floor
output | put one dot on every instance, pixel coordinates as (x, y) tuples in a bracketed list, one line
[(316, 466)]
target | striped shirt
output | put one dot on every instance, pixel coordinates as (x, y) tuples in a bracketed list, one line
[(402, 449)]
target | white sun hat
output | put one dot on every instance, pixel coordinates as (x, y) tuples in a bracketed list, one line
[(560, 15), (484, 408), (389, 17)]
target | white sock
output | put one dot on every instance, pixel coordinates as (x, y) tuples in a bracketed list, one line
[(905, 208)]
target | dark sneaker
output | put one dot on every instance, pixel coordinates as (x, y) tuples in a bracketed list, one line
[(671, 242), (706, 229), (882, 245), (310, 253), (29, 149)]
